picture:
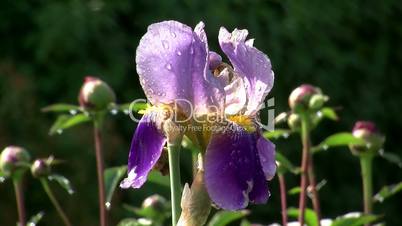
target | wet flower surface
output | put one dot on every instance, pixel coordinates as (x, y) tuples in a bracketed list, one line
[(174, 63)]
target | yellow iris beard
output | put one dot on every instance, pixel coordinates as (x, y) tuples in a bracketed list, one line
[(243, 121)]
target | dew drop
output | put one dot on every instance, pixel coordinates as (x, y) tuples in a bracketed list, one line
[(165, 44), (126, 111), (169, 66), (285, 135), (192, 50), (114, 111), (319, 114), (178, 52), (73, 111), (325, 147), (59, 131), (173, 34), (108, 205), (2, 179)]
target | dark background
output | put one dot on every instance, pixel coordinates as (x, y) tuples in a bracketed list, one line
[(351, 49)]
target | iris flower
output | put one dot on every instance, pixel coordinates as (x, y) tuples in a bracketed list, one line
[(174, 63)]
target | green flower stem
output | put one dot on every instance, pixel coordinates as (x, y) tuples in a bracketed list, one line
[(304, 165), (100, 169), (282, 187), (175, 184), (19, 195), (366, 168), (54, 201), (313, 186)]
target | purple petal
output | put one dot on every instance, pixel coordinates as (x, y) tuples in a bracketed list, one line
[(214, 60), (233, 173), (266, 151), (172, 62), (252, 64), (146, 147)]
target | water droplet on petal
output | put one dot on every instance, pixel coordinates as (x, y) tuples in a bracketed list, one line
[(169, 66), (173, 34), (178, 52), (165, 44), (192, 50)]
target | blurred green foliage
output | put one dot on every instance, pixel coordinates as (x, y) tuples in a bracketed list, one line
[(351, 49)]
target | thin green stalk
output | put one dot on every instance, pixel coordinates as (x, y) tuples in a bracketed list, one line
[(19, 195), (100, 169), (175, 184), (54, 201), (366, 170), (304, 166), (313, 186)]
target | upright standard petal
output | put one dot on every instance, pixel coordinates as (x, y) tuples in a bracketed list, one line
[(146, 147), (252, 64), (233, 172), (172, 62)]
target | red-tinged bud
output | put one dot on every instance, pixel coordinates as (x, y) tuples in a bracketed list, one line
[(95, 94), (12, 159), (40, 168), (368, 131), (300, 97), (155, 202)]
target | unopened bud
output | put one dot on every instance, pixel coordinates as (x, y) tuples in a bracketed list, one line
[(367, 131), (317, 101), (155, 202), (300, 97), (95, 94), (13, 158), (294, 122), (40, 168)]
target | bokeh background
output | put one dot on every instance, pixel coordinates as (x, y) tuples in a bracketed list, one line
[(351, 49)]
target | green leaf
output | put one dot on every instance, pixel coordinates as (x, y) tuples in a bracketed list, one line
[(63, 182), (285, 165), (392, 158), (135, 222), (135, 107), (157, 178), (387, 191), (73, 109), (245, 223), (354, 219), (294, 190), (67, 121), (34, 220), (276, 134), (310, 216), (112, 177), (329, 113), (223, 218), (339, 139)]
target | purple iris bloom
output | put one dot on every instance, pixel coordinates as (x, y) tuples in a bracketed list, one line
[(173, 62)]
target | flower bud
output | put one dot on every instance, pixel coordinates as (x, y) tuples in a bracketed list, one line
[(367, 131), (40, 168), (95, 94), (317, 101), (294, 122), (12, 159), (156, 202), (300, 97)]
